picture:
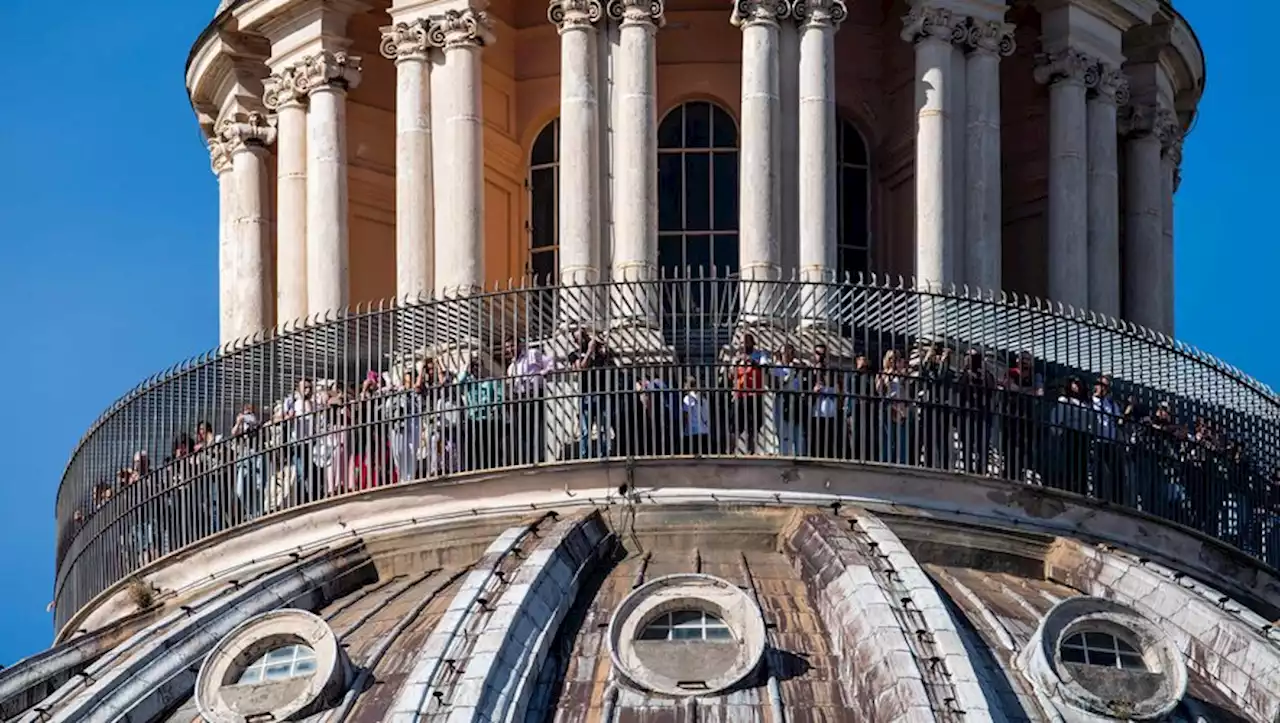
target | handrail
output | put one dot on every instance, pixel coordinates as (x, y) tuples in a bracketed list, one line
[(672, 326)]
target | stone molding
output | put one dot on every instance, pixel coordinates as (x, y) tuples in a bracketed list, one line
[(246, 131), (462, 29), (754, 12), (1066, 66), (638, 12), (407, 41), (280, 90), (1111, 85), (927, 22), (327, 69), (574, 14), (991, 36)]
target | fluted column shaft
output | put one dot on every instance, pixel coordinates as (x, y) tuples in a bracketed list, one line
[(228, 274), (1068, 258), (1104, 192), (635, 162), (933, 30), (409, 44), (983, 193), (283, 97), (579, 198), (327, 76), (1169, 178), (1144, 218), (818, 22), (244, 188), (459, 152)]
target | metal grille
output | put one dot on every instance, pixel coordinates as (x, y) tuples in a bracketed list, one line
[(417, 391)]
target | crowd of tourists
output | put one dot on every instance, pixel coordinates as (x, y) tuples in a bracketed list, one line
[(934, 406)]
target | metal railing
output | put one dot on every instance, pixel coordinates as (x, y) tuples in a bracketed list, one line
[(886, 374)]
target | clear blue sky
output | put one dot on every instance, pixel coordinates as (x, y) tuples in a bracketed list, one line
[(108, 228)]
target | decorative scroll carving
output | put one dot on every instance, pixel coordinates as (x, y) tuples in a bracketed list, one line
[(821, 13), (991, 36), (637, 12), (749, 12), (407, 41), (244, 131), (462, 28), (325, 69), (1112, 84), (925, 22), (219, 159), (281, 90), (1066, 66), (570, 14), (1136, 119)]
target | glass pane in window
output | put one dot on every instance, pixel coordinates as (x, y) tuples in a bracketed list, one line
[(542, 214), (1099, 640), (542, 265), (655, 632), (670, 192), (1102, 657), (697, 192), (279, 671), (544, 148), (669, 133), (852, 150), (252, 674), (718, 633), (1072, 655), (686, 618), (692, 633), (724, 254), (671, 255), (1125, 647), (853, 199), (723, 133), (697, 125), (852, 261), (697, 255), (304, 653), (279, 654), (304, 666), (724, 196)]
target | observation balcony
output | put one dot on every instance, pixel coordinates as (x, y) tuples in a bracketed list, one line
[(885, 376)]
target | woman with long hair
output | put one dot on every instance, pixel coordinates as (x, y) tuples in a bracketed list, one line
[(891, 385)]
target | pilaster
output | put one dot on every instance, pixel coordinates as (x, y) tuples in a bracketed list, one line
[(241, 160)]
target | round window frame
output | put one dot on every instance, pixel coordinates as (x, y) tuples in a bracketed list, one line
[(686, 591), (255, 637)]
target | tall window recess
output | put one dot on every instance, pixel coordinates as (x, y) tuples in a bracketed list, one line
[(544, 207), (853, 191), (697, 201)]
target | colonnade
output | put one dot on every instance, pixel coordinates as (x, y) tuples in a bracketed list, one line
[(440, 164)]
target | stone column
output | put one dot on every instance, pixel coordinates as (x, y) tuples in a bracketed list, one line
[(579, 158), (246, 243), (228, 323), (818, 21), (1067, 72), (409, 45), (1171, 161), (283, 96), (983, 193), (635, 160), (933, 30), (1143, 217), (1104, 191), (760, 194), (326, 76), (459, 152)]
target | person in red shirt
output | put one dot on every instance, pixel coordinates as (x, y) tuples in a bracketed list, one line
[(748, 392)]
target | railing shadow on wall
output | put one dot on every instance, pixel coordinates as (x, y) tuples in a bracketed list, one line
[(525, 375)]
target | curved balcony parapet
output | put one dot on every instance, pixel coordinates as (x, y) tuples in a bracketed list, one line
[(423, 389)]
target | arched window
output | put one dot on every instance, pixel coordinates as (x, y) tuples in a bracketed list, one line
[(853, 189), (686, 625), (544, 209), (698, 191), (1102, 649), (283, 663)]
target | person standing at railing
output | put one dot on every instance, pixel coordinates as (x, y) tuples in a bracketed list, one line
[(1022, 400), (211, 476), (596, 365), (862, 433), (1069, 424), (935, 381), (527, 377), (823, 383), (250, 475), (891, 385), (482, 435), (1107, 472), (790, 405), (403, 410), (698, 439), (748, 390), (300, 410), (976, 388)]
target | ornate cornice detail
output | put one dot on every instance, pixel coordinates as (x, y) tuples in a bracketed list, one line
[(991, 36), (574, 14), (280, 90), (462, 28), (219, 158), (246, 131), (752, 12), (637, 12), (1111, 84), (819, 13), (407, 41), (925, 21), (325, 69), (1066, 66)]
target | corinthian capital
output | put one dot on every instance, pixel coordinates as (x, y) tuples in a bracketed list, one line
[(571, 14), (219, 159), (1137, 119), (991, 36), (245, 131), (1168, 129), (1066, 66), (326, 69), (1111, 85), (819, 13), (281, 89), (462, 28), (637, 12), (406, 41), (927, 21), (750, 12)]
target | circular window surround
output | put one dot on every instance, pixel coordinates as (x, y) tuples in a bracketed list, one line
[(256, 637), (686, 592), (1042, 660)]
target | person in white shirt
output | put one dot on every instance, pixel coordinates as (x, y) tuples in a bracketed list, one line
[(787, 376), (526, 375), (697, 425)]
